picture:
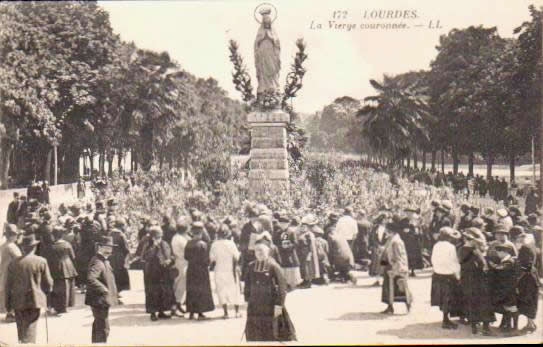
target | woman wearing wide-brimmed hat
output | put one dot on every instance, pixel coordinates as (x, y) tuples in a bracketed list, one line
[(446, 274), (474, 281), (501, 259), (377, 241)]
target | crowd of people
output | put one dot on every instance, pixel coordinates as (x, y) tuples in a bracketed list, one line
[(486, 261)]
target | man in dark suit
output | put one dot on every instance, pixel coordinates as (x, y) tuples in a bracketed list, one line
[(28, 283), (63, 272), (13, 207), (101, 289)]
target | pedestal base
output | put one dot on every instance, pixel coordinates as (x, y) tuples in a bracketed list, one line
[(268, 166)]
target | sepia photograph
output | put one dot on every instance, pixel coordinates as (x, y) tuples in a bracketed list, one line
[(271, 172)]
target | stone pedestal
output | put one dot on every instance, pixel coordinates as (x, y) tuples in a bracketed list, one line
[(268, 166)]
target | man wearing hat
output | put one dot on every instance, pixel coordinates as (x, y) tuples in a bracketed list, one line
[(61, 264), (13, 207), (307, 251), (101, 289), (28, 275), (9, 251), (501, 261), (466, 218)]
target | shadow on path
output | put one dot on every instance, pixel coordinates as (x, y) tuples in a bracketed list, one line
[(433, 331), (354, 316)]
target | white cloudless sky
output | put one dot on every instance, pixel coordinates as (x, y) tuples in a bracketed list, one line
[(196, 35)]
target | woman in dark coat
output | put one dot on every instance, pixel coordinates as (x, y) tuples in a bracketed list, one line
[(265, 293), (527, 286), (120, 253), (411, 237), (474, 281), (199, 298), (158, 261)]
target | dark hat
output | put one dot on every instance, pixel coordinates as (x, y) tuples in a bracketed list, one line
[(333, 216), (112, 202), (515, 210), (100, 208), (435, 204), (532, 217), (412, 209), (105, 241), (29, 240), (464, 205), (515, 231)]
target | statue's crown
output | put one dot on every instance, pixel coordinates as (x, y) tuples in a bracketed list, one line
[(265, 11)]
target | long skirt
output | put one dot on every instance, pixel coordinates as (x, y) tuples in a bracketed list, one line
[(502, 289), (180, 281), (63, 294), (442, 293), (292, 276), (227, 288), (199, 296), (376, 269), (395, 290), (122, 280), (528, 294), (267, 328), (160, 295)]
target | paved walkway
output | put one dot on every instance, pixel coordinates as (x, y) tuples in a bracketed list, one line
[(334, 314)]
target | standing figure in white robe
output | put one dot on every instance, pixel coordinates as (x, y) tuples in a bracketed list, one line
[(224, 256), (179, 242)]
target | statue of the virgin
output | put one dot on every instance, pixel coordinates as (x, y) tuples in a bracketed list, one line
[(267, 55)]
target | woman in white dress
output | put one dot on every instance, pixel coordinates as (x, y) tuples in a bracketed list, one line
[(9, 251), (179, 241), (224, 256)]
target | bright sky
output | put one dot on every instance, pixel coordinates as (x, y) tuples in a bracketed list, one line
[(196, 34)]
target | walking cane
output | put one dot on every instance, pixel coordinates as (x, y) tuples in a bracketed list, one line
[(46, 326)]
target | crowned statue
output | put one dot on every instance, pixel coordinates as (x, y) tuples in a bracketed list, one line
[(267, 56)]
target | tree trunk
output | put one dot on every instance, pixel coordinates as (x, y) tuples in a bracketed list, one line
[(423, 160), (110, 165), (120, 161), (456, 161), (443, 161), (470, 164), (489, 162), (6, 149), (160, 161), (408, 161), (511, 168), (415, 159), (101, 163), (434, 155), (47, 167), (91, 159), (55, 152)]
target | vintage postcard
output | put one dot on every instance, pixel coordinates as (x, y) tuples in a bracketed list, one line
[(271, 172)]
